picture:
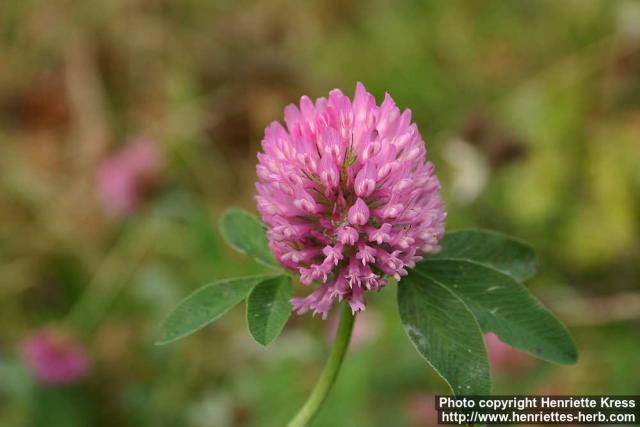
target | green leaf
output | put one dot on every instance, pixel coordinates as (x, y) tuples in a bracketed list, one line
[(245, 233), (206, 305), (506, 307), (445, 333), (268, 308), (492, 249)]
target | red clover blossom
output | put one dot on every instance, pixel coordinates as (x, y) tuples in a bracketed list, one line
[(348, 196)]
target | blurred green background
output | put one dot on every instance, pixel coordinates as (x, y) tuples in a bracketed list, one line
[(530, 110)]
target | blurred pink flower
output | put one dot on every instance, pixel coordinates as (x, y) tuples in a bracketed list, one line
[(348, 196), (421, 408), (54, 359), (504, 358), (125, 175)]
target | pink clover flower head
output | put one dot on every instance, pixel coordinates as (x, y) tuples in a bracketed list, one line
[(348, 196), (54, 359), (124, 176)]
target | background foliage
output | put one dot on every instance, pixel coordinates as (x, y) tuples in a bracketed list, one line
[(530, 109)]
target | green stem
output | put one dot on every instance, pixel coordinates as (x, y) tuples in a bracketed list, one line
[(113, 274), (330, 372)]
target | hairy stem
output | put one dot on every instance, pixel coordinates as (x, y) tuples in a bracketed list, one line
[(330, 372)]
